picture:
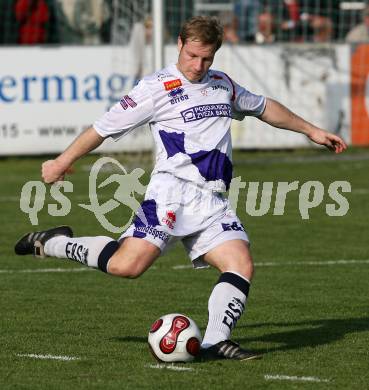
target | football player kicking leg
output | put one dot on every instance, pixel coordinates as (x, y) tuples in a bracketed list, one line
[(134, 256)]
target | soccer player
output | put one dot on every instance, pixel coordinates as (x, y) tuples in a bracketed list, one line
[(189, 108)]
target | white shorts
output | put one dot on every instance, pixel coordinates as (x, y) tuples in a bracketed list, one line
[(178, 210)]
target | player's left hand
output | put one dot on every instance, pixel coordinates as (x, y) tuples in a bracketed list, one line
[(331, 141)]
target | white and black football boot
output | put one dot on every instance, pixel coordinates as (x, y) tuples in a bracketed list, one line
[(33, 243), (227, 349)]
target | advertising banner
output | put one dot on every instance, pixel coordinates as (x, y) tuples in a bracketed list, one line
[(48, 95)]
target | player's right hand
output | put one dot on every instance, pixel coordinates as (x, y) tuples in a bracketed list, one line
[(53, 171)]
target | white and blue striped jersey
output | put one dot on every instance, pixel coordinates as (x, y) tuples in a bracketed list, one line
[(190, 122)]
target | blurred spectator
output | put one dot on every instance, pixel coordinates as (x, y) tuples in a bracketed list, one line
[(80, 21), (247, 12), (297, 21), (68, 22), (291, 23), (141, 36), (8, 23), (265, 33), (280, 21), (360, 33), (229, 22), (322, 28), (32, 16), (106, 27), (317, 21)]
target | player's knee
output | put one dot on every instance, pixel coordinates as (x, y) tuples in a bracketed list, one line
[(125, 268), (248, 265), (244, 266), (134, 272), (249, 269), (127, 272)]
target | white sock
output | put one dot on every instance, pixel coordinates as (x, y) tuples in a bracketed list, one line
[(226, 305), (85, 250)]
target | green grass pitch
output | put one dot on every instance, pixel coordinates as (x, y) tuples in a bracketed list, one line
[(308, 312)]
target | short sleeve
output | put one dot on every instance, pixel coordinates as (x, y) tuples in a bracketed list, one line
[(133, 110), (246, 103)]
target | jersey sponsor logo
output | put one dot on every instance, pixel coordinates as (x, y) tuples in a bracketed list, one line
[(206, 111), (172, 84), (219, 86), (177, 95), (208, 90), (169, 219), (163, 76), (76, 252), (126, 102), (176, 92)]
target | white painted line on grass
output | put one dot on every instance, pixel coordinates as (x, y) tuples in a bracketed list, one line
[(189, 266), (361, 191), (297, 263), (170, 367), (294, 378), (185, 266), (293, 263), (47, 357), (16, 199), (43, 270)]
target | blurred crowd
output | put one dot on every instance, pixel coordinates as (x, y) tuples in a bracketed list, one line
[(268, 21), (29, 22), (90, 22)]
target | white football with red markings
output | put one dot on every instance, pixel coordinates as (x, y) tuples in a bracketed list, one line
[(174, 338)]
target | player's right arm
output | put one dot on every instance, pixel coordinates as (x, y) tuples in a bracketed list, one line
[(54, 170), (132, 111), (277, 115)]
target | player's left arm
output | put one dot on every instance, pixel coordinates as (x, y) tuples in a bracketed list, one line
[(277, 115)]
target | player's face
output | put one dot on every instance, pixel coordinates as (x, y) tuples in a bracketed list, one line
[(195, 59)]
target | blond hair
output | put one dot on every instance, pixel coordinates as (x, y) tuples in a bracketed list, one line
[(205, 29)]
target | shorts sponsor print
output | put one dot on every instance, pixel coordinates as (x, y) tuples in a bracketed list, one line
[(142, 231)]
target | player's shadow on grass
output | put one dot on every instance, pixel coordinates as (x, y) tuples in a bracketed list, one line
[(309, 334)]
